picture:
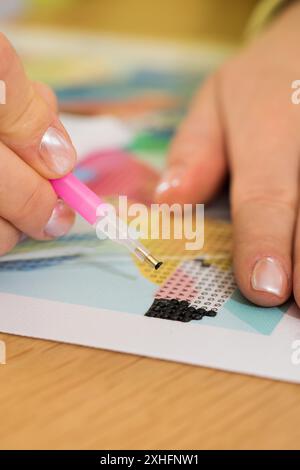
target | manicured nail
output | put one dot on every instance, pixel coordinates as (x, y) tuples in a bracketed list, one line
[(60, 222), (57, 151), (171, 179), (269, 276)]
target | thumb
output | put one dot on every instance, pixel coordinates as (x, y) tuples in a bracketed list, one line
[(28, 123), (196, 163)]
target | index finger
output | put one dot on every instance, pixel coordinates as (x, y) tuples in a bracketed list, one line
[(28, 123)]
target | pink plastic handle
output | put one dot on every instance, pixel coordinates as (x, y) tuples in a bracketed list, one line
[(78, 196)]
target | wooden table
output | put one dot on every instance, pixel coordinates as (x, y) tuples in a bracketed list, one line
[(57, 396)]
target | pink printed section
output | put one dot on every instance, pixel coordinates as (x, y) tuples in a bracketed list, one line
[(116, 172), (206, 287), (179, 286)]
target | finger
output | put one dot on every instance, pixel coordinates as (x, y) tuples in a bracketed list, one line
[(196, 163), (9, 237), (28, 124), (28, 201), (264, 202)]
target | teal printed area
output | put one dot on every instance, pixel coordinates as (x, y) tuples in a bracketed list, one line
[(239, 314), (102, 283), (260, 319)]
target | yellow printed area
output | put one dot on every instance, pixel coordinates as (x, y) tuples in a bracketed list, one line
[(216, 251)]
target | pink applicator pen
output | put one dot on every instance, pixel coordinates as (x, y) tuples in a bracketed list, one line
[(86, 203)]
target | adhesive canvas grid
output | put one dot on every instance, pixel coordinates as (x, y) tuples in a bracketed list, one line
[(83, 291), (212, 286), (200, 285), (65, 290)]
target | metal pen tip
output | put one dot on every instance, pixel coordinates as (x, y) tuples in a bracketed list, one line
[(148, 258)]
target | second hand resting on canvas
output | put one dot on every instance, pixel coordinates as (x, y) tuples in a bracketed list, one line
[(242, 121)]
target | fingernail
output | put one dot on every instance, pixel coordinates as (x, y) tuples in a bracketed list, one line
[(269, 276), (170, 179), (60, 222), (57, 151)]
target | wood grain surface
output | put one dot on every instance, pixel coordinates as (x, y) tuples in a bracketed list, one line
[(57, 396)]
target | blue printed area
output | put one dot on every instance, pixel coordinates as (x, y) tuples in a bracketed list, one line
[(114, 284), (36, 263), (72, 240), (136, 84), (117, 285), (86, 174)]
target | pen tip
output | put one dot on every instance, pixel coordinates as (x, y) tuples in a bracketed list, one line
[(153, 261), (158, 265), (144, 255)]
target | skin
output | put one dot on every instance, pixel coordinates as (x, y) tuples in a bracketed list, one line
[(29, 111), (243, 123)]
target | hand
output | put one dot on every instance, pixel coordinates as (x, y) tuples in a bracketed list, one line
[(243, 121), (34, 147)]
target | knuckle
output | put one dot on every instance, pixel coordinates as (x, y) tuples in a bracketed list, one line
[(278, 198), (29, 118), (20, 118), (28, 207)]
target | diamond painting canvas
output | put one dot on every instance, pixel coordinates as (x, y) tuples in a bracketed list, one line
[(87, 291)]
